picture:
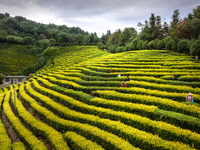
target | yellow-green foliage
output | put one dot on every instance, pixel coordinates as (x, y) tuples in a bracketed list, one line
[(18, 146), (150, 113), (170, 95), (164, 87), (24, 133), (80, 142), (106, 139), (14, 57), (5, 142), (160, 102), (190, 78), (48, 132), (160, 126), (125, 105)]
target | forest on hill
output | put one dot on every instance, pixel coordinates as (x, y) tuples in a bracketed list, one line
[(180, 35)]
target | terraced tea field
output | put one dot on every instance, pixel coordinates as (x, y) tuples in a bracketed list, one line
[(150, 113)]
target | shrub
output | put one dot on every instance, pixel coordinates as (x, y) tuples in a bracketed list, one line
[(14, 39), (161, 44), (167, 39), (169, 45), (145, 45), (168, 77), (135, 42), (119, 49), (155, 43), (27, 40), (150, 45), (139, 44), (195, 48), (129, 47), (183, 46)]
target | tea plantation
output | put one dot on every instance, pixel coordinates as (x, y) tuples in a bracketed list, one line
[(14, 57), (150, 113)]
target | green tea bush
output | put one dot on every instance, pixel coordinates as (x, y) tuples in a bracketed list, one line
[(183, 46), (195, 48)]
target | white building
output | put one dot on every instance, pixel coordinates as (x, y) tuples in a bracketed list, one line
[(9, 80)]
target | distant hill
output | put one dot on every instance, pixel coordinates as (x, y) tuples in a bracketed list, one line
[(20, 30), (14, 57)]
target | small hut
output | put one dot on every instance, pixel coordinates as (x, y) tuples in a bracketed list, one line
[(9, 80)]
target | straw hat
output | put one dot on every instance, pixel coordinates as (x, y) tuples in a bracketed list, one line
[(190, 93)]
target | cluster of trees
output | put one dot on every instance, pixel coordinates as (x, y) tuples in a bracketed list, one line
[(181, 35), (38, 36)]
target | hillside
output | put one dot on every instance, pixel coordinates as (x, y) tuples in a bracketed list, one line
[(14, 57), (150, 113)]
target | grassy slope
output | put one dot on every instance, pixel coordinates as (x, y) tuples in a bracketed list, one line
[(14, 57)]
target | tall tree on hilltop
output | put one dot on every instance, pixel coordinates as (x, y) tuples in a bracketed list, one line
[(159, 31), (153, 28), (196, 12), (114, 38), (50, 53), (174, 23), (125, 36), (165, 29), (189, 28)]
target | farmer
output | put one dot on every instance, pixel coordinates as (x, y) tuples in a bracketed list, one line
[(119, 75), (127, 78), (111, 71), (189, 98), (123, 84), (71, 86), (95, 94)]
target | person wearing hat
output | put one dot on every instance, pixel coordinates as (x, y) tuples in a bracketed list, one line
[(189, 98), (119, 75)]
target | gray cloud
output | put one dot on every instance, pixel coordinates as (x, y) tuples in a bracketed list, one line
[(96, 15)]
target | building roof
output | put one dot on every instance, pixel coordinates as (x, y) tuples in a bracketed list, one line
[(15, 77)]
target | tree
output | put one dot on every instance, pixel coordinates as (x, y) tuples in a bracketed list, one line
[(125, 36), (165, 29), (195, 49), (134, 43), (139, 44), (171, 44), (174, 22), (52, 42), (114, 38), (182, 33), (50, 53), (153, 28), (27, 40), (62, 38), (159, 34), (145, 45), (183, 46), (1, 78), (196, 12), (161, 44), (155, 43)]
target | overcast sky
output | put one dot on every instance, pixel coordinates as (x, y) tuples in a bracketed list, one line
[(96, 15)]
